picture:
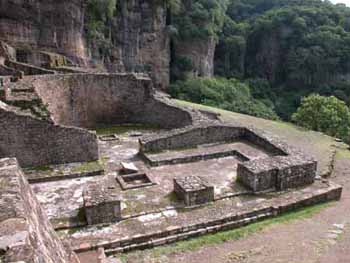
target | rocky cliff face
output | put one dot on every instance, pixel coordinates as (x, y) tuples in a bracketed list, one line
[(201, 53), (142, 39), (45, 24), (138, 38)]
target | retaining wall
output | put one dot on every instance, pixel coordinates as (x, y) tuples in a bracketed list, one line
[(37, 142), (87, 100)]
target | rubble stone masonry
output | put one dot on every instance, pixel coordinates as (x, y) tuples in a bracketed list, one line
[(26, 234), (38, 142)]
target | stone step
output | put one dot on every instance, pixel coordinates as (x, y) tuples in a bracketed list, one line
[(154, 242)]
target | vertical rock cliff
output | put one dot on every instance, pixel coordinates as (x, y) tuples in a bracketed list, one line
[(51, 25), (136, 38), (201, 53), (142, 38)]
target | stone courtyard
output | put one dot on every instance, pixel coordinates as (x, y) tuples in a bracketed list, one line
[(116, 166)]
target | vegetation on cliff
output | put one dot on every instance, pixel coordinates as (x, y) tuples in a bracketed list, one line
[(228, 94), (280, 50), (99, 18), (283, 49), (299, 47)]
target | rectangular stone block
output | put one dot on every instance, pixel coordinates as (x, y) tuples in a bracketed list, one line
[(101, 204), (194, 190)]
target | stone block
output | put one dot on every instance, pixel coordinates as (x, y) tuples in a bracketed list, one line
[(101, 204), (194, 190)]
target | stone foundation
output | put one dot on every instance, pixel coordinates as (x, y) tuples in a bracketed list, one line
[(210, 220), (25, 232), (278, 173), (134, 180), (193, 190), (286, 168)]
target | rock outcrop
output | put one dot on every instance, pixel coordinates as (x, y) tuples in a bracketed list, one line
[(201, 53), (143, 40), (56, 26)]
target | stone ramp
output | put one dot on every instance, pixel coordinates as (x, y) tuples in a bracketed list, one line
[(243, 151)]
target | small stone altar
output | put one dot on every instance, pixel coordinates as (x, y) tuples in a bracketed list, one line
[(194, 190), (101, 204)]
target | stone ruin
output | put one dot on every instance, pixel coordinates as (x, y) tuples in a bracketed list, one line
[(193, 190), (138, 185)]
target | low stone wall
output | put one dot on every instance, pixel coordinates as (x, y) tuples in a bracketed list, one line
[(27, 69), (26, 234), (37, 142), (191, 137), (87, 100)]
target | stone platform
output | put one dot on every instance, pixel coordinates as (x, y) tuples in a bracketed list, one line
[(150, 230), (193, 190), (101, 204), (153, 215)]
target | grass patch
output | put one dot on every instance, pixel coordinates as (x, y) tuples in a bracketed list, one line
[(124, 128), (42, 168), (87, 167), (343, 154), (221, 237)]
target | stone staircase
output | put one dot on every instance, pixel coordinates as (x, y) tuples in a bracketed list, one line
[(22, 96)]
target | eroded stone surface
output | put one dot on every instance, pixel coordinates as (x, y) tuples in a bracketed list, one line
[(25, 232), (193, 190)]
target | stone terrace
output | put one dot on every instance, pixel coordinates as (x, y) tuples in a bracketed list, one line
[(148, 213)]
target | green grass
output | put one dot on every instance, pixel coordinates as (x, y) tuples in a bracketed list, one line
[(42, 168), (221, 237), (124, 128), (343, 154), (87, 167)]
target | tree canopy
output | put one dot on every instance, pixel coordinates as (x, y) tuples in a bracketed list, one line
[(326, 114)]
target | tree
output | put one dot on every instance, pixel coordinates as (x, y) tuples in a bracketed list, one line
[(326, 114)]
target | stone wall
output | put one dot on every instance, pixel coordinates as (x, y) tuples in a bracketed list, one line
[(86, 100), (26, 234), (191, 137), (37, 142), (279, 173), (27, 69)]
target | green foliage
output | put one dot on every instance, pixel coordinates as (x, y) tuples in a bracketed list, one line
[(199, 18), (298, 46), (98, 24), (228, 94), (326, 114)]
